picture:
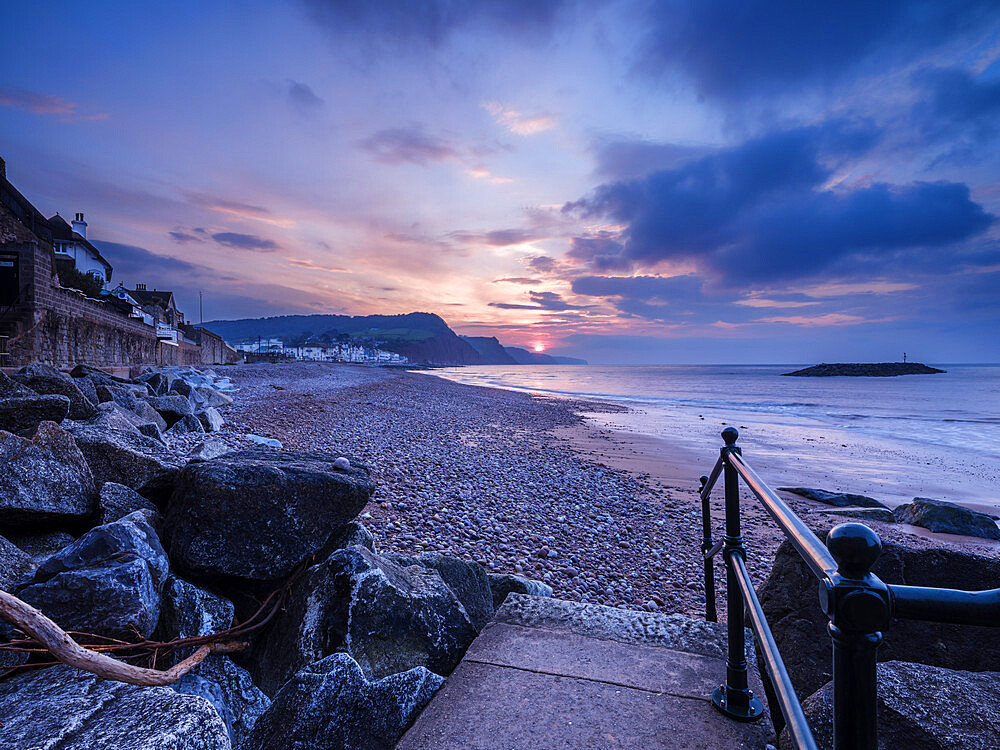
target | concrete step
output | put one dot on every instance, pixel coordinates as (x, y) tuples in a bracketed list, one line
[(553, 674)]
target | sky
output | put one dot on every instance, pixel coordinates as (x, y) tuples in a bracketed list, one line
[(720, 181)]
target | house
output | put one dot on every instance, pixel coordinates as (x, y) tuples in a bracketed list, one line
[(70, 245), (160, 304)]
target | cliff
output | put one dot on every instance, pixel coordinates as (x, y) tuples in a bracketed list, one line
[(524, 357), (871, 370), (490, 350)]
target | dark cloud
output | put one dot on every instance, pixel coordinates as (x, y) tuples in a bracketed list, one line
[(956, 108), (303, 99), (185, 236), (134, 262), (517, 280), (734, 49), (542, 301), (245, 242), (602, 253), (542, 263), (497, 237), (660, 288), (623, 159), (429, 23), (411, 144), (762, 210), (225, 205)]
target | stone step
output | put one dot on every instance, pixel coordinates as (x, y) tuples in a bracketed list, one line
[(553, 674)]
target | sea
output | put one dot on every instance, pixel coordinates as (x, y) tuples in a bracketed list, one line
[(928, 435)]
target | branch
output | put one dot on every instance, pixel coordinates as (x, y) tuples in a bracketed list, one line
[(58, 642)]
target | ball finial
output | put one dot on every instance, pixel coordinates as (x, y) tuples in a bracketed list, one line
[(855, 547), (730, 435)]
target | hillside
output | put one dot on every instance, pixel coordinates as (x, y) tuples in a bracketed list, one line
[(524, 357), (490, 350), (422, 338)]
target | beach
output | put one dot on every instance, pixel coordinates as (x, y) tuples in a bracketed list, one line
[(519, 482)]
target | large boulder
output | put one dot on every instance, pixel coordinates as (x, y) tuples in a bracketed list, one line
[(61, 707), (107, 582), (171, 407), (15, 564), (920, 708), (211, 419), (10, 388), (502, 584), (836, 499), (186, 425), (329, 705), (47, 380), (119, 394), (23, 414), (389, 618), (127, 457), (467, 580), (45, 479), (117, 501), (230, 691), (189, 611), (213, 398), (947, 518), (157, 382), (790, 602), (255, 515)]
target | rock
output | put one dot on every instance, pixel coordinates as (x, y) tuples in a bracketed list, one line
[(47, 380), (186, 425), (10, 388), (213, 398), (208, 449), (266, 441), (947, 518), (836, 499), (41, 546), (106, 582), (182, 388), (791, 605), (97, 375), (920, 708), (354, 533), (866, 514), (189, 610), (61, 707), (88, 389), (329, 705), (865, 369), (342, 463), (120, 395), (15, 564), (256, 514), (151, 431), (389, 618), (502, 584), (45, 479), (129, 458), (171, 407), (231, 692), (113, 416), (22, 414), (467, 580), (210, 419), (117, 501), (157, 382), (145, 412)]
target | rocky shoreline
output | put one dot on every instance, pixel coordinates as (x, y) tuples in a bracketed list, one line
[(865, 369)]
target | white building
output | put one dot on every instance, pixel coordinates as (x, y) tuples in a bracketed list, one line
[(71, 245)]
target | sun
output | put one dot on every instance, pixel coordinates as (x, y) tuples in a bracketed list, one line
[(539, 347)]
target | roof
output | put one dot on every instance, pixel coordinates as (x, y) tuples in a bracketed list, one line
[(63, 231), (152, 297), (23, 210)]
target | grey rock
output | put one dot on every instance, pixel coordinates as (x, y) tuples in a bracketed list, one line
[(836, 499), (354, 533), (231, 692), (171, 407), (213, 398), (157, 382), (44, 479), (186, 425), (113, 416), (188, 610), (10, 388), (151, 431), (129, 458), (257, 514), (117, 501), (870, 514), (15, 564), (211, 419), (467, 580), (97, 375), (64, 708), (119, 394), (208, 449), (88, 388), (389, 618), (22, 414), (920, 708), (947, 518), (329, 705), (47, 380), (106, 582), (41, 546), (147, 413), (789, 600), (182, 388), (502, 584)]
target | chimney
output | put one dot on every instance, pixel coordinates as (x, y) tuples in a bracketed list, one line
[(80, 226), (140, 287)]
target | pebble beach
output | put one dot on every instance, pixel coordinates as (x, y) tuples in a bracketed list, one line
[(517, 482)]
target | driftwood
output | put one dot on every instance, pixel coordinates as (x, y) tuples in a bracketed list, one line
[(57, 642)]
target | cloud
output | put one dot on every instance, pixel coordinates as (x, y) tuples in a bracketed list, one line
[(138, 263), (829, 319), (661, 288), (303, 99), (956, 108), (429, 23), (184, 236), (526, 281), (497, 237), (408, 145), (234, 208), (245, 242), (43, 104), (542, 301), (621, 159), (739, 49), (542, 263), (482, 173), (313, 266), (763, 211), (518, 123)]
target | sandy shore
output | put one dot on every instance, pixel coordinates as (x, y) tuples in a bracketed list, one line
[(521, 483)]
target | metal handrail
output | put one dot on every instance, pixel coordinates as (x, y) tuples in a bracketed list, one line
[(857, 602)]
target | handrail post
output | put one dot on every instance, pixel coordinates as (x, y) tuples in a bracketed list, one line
[(859, 607), (706, 545), (735, 699)]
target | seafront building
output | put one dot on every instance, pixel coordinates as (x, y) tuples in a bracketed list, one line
[(340, 352)]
